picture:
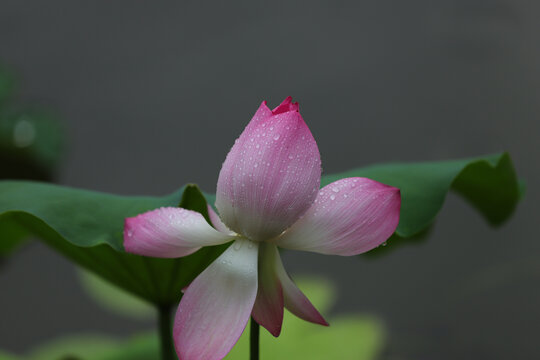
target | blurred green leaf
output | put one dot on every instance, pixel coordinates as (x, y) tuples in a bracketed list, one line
[(114, 298), (98, 347), (7, 83), (6, 356), (349, 337), (87, 227), (13, 235), (488, 183), (31, 144)]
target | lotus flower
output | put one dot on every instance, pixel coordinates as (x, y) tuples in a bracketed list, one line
[(267, 197)]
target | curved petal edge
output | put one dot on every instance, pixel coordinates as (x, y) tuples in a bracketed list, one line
[(169, 232), (268, 308), (349, 217), (295, 301)]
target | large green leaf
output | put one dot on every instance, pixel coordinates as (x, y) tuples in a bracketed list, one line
[(488, 183), (87, 227)]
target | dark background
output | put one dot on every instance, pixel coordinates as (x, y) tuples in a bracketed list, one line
[(153, 95)]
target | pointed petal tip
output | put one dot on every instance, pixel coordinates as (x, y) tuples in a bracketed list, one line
[(268, 308), (271, 175), (275, 331), (323, 322), (286, 106)]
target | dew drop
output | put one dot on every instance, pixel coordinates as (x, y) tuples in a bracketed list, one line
[(276, 137), (336, 190), (291, 157), (332, 197)]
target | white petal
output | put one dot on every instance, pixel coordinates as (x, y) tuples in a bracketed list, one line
[(216, 307)]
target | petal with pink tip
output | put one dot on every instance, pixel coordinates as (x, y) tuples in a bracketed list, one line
[(217, 223), (295, 301), (271, 175), (217, 305), (349, 217), (268, 308), (169, 232)]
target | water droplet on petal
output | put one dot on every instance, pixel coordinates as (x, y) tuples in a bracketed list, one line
[(276, 137), (332, 197), (336, 190)]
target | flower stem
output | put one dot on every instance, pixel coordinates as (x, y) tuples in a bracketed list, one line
[(165, 333), (254, 340)]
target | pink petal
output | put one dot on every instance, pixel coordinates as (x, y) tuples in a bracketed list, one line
[(217, 223), (169, 232), (295, 301), (271, 175), (349, 217), (268, 308), (286, 105), (217, 305)]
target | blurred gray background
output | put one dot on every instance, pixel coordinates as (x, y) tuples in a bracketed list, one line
[(153, 95)]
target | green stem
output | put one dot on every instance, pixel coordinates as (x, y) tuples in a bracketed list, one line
[(165, 333), (254, 340)]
